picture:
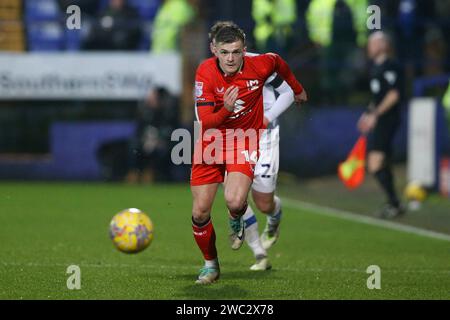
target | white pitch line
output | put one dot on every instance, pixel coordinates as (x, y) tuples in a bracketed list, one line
[(342, 214)]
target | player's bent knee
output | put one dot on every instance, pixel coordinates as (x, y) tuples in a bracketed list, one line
[(235, 206), (200, 214), (265, 205), (200, 218), (235, 203), (265, 202)]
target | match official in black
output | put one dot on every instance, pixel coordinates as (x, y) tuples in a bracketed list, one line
[(381, 120)]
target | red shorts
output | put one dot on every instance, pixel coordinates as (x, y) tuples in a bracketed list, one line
[(215, 173), (210, 164)]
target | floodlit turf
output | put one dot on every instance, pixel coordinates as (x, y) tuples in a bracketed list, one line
[(45, 227)]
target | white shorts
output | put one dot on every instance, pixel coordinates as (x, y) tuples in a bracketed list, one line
[(266, 170)]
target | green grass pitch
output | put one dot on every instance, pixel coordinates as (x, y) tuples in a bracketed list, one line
[(45, 227)]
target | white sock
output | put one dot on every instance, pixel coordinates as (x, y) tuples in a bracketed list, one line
[(276, 215), (211, 263), (251, 233)]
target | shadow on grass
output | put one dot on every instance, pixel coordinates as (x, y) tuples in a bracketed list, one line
[(225, 287), (213, 291)]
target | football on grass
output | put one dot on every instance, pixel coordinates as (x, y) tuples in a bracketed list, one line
[(131, 230)]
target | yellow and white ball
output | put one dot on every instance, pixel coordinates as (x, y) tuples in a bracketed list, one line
[(131, 230)]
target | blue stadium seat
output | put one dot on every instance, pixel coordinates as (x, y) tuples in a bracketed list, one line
[(42, 10), (145, 43), (102, 5), (147, 8), (45, 36), (73, 40)]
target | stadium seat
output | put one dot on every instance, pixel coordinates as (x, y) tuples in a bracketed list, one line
[(145, 43), (147, 8), (45, 36), (73, 40), (42, 10)]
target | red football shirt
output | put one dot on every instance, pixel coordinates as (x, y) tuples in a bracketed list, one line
[(211, 84)]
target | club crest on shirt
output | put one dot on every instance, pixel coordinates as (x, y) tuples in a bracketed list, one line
[(198, 88)]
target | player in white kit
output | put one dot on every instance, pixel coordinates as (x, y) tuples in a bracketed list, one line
[(277, 97)]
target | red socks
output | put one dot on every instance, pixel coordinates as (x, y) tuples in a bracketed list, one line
[(206, 239)]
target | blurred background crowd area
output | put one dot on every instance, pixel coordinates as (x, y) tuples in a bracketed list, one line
[(324, 42)]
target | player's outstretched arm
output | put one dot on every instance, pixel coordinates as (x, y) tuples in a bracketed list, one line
[(284, 100), (278, 65)]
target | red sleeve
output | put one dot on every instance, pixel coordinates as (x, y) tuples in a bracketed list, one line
[(280, 66), (205, 102)]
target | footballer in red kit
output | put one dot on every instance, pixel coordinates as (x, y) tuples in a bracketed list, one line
[(210, 86), (229, 107)]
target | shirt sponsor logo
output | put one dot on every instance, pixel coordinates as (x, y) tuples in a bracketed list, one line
[(238, 105), (252, 85)]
